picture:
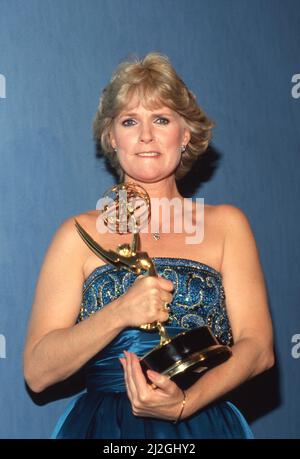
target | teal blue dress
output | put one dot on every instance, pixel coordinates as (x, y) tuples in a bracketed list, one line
[(103, 410)]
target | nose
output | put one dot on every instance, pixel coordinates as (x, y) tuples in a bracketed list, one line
[(146, 133)]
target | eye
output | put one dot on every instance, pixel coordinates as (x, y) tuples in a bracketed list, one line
[(162, 120), (128, 122)]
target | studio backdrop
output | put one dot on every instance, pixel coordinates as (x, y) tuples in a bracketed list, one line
[(241, 59)]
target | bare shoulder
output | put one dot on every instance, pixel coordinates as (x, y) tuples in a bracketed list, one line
[(88, 218), (228, 216), (66, 243), (67, 228), (226, 226), (225, 210), (239, 241), (224, 217)]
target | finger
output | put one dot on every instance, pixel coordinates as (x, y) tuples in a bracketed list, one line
[(162, 382), (166, 284), (165, 307), (139, 277), (131, 386), (163, 317), (122, 361), (138, 376), (163, 314), (166, 297), (126, 377)]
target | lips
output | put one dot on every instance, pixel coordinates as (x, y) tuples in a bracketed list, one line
[(148, 154)]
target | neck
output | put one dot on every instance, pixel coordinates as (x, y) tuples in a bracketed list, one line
[(166, 188), (161, 194)]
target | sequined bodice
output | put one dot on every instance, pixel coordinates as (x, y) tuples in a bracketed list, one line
[(198, 297)]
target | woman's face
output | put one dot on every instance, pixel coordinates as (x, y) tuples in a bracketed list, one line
[(148, 141)]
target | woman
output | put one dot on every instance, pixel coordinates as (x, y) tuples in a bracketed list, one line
[(87, 313)]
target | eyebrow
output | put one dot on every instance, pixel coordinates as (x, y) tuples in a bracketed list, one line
[(136, 114)]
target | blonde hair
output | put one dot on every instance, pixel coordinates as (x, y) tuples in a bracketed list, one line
[(156, 83)]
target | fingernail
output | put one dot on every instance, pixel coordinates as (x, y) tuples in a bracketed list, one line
[(152, 374)]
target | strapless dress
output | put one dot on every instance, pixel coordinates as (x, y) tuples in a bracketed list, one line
[(103, 410)]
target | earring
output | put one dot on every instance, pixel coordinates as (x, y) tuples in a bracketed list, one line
[(182, 148), (115, 150)]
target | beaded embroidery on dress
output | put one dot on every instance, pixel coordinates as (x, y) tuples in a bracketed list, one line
[(198, 297), (104, 410)]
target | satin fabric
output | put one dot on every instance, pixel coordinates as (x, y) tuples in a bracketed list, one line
[(104, 410)]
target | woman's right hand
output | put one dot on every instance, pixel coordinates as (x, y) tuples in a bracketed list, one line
[(144, 301)]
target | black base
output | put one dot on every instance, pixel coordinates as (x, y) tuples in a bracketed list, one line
[(188, 352)]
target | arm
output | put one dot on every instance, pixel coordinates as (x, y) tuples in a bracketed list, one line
[(247, 308), (55, 347)]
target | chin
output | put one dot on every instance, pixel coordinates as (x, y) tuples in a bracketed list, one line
[(147, 177)]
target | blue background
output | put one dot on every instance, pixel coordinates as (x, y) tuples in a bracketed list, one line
[(239, 58)]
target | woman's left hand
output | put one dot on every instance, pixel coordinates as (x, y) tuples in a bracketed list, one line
[(163, 401)]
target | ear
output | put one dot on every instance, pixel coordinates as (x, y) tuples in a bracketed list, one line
[(186, 136), (112, 139)]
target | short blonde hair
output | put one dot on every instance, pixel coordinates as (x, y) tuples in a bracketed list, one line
[(156, 82)]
